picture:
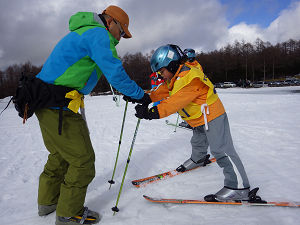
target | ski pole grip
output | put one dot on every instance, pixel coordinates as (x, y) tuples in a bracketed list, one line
[(111, 181)]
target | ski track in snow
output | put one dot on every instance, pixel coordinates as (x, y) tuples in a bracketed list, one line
[(265, 126)]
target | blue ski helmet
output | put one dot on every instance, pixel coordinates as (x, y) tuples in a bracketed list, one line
[(191, 54), (163, 56)]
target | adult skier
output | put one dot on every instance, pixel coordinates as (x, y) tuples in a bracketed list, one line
[(190, 93), (77, 62)]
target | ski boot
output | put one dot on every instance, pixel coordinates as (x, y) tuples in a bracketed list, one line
[(233, 194), (88, 217), (44, 210), (229, 194), (191, 164)]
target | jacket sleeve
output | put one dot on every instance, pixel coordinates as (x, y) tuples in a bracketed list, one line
[(100, 49), (180, 99), (160, 92)]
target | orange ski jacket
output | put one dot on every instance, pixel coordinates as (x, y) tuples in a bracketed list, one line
[(191, 94), (195, 64)]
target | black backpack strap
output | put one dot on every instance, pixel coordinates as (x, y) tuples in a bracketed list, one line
[(60, 120), (7, 105)]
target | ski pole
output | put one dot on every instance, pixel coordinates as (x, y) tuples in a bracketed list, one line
[(176, 123), (115, 99), (115, 209), (120, 140)]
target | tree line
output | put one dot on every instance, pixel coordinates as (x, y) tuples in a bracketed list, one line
[(234, 62), (260, 61)]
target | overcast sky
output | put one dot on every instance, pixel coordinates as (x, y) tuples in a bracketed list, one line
[(29, 29)]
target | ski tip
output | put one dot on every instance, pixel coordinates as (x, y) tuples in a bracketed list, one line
[(136, 183), (147, 198), (151, 199)]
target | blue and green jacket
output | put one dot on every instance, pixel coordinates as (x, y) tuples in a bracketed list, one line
[(83, 55)]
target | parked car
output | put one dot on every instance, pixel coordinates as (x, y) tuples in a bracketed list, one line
[(219, 85), (229, 84), (272, 84), (292, 82), (275, 84), (260, 84), (296, 83), (285, 83)]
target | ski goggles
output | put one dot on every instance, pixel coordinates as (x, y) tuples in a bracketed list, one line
[(122, 33)]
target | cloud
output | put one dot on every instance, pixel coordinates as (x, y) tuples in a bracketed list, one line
[(283, 28), (30, 29), (241, 31), (195, 24), (286, 26), (1, 53)]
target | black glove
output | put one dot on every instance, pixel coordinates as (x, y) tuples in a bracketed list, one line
[(127, 98), (142, 112), (145, 100)]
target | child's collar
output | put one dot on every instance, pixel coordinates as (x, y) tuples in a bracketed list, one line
[(174, 78)]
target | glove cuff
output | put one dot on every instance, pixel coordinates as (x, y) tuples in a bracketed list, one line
[(146, 100), (153, 113)]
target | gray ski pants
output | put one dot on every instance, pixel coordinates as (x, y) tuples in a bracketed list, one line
[(218, 138)]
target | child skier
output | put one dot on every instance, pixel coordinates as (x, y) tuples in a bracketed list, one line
[(190, 93)]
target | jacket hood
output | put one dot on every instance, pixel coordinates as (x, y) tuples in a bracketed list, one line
[(88, 19), (82, 19)]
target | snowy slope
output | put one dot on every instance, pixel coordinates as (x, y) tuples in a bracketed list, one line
[(265, 125)]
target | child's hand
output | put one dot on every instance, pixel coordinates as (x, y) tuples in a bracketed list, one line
[(142, 112)]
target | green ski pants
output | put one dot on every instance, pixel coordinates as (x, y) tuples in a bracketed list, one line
[(70, 166)]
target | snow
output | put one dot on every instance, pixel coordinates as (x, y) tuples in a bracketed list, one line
[(265, 126)]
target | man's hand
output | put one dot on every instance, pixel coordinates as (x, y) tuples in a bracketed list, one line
[(145, 100), (127, 98)]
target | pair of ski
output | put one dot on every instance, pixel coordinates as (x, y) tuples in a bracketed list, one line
[(254, 200)]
